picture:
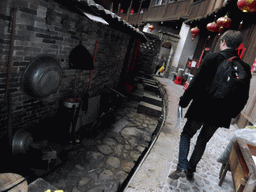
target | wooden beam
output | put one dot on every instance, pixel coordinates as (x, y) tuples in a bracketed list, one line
[(111, 7), (247, 155), (119, 7), (130, 7)]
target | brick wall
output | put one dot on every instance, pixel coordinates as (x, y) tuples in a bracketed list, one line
[(44, 27)]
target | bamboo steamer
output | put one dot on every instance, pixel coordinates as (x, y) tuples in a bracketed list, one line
[(12, 182)]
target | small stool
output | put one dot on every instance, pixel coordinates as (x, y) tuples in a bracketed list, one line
[(178, 80)]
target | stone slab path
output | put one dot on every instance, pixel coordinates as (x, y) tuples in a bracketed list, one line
[(162, 160)]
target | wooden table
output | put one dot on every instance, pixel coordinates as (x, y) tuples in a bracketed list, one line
[(242, 166)]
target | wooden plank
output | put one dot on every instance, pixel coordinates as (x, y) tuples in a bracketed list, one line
[(247, 156), (238, 178), (233, 160), (242, 160), (238, 166), (223, 173), (14, 181), (252, 149), (242, 121)]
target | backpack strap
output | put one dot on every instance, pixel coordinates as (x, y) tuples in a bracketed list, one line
[(231, 58), (226, 56)]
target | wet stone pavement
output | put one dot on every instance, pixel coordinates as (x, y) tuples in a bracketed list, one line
[(106, 158)]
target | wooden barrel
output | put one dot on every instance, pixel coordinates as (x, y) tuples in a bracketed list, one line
[(12, 182)]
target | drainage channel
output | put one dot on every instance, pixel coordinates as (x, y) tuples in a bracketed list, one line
[(146, 152)]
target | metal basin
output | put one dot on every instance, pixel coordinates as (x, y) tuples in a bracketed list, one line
[(42, 77)]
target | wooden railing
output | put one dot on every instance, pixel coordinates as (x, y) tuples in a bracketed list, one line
[(135, 18), (173, 10), (177, 9), (124, 16), (203, 7)]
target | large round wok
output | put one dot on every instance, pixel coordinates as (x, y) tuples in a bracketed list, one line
[(42, 77)]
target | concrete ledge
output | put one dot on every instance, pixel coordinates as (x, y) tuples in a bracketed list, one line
[(141, 79), (149, 109), (152, 99), (40, 185)]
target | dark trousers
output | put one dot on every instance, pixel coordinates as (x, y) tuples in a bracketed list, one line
[(188, 132)]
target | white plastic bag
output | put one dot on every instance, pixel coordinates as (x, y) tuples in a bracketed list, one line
[(179, 118)]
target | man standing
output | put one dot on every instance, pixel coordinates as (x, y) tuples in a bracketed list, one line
[(206, 111), (160, 63)]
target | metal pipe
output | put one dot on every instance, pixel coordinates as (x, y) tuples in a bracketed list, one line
[(94, 56), (7, 91), (10, 56)]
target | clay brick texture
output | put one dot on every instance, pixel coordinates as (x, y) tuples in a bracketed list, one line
[(45, 27)]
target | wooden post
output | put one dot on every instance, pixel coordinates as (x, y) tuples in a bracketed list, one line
[(119, 7), (140, 6), (111, 7), (130, 7), (138, 14)]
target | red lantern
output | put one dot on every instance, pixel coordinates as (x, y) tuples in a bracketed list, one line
[(195, 31), (224, 22), (151, 28), (213, 27), (247, 5)]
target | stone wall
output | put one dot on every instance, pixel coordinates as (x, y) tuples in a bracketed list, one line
[(45, 27), (148, 54)]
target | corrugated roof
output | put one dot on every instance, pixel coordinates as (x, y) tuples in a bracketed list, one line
[(110, 17)]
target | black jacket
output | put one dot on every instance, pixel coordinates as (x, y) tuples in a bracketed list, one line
[(204, 108)]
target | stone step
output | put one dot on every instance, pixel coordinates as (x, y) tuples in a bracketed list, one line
[(151, 88), (139, 87), (137, 95), (154, 100), (141, 79), (149, 82), (149, 109)]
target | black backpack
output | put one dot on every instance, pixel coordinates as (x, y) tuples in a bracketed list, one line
[(231, 79)]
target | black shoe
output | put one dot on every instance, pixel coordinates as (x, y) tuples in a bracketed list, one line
[(190, 176), (176, 174)]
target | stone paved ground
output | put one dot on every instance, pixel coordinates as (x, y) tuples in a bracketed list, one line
[(106, 158), (207, 175), (162, 159)]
